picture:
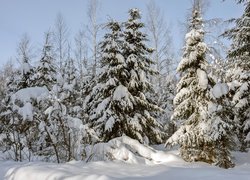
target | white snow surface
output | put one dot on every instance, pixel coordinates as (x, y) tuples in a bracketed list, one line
[(163, 165), (76, 170)]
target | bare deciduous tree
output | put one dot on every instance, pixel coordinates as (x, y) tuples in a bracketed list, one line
[(93, 29), (61, 34), (163, 55), (161, 39), (81, 52), (24, 50)]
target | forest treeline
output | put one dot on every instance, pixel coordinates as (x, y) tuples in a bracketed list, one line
[(129, 83)]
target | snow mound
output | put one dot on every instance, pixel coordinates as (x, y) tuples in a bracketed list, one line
[(120, 58), (123, 97), (27, 94), (130, 151), (26, 111), (25, 68), (202, 77), (219, 90)]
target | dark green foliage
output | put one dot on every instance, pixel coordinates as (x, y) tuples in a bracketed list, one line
[(203, 128), (238, 74), (46, 71), (117, 104)]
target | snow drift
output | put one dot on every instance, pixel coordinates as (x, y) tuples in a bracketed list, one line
[(128, 150)]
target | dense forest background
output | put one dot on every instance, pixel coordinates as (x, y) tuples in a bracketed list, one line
[(74, 95)]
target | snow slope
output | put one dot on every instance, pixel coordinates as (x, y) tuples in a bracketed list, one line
[(174, 169)]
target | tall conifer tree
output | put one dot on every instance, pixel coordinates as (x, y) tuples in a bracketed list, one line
[(139, 65), (204, 134), (238, 73), (46, 71)]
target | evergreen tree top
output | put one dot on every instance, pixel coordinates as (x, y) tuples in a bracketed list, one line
[(134, 20), (69, 70), (196, 21), (114, 26), (134, 38), (135, 13), (195, 48), (114, 32), (47, 48), (111, 45)]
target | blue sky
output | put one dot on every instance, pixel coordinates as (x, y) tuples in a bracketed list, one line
[(34, 17)]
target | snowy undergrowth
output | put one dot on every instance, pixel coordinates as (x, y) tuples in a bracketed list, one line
[(130, 160)]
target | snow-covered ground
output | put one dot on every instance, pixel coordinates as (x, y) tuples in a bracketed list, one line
[(172, 169)]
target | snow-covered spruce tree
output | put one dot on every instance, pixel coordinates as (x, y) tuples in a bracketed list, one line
[(45, 76), (25, 69), (141, 125), (6, 71), (71, 88), (108, 104), (24, 73), (203, 134), (115, 109), (45, 72), (239, 74)]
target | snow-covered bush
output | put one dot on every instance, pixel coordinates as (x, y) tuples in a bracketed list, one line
[(127, 150)]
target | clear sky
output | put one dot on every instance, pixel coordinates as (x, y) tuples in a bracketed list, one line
[(34, 17)]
